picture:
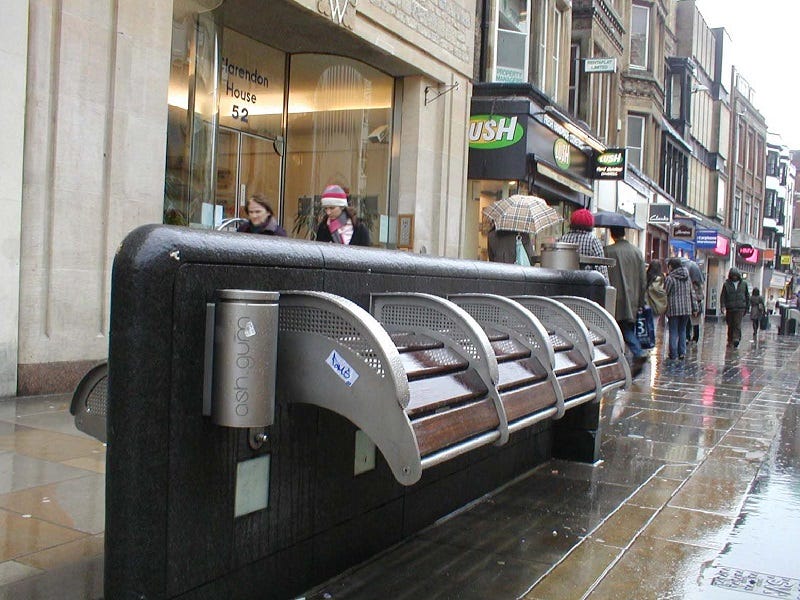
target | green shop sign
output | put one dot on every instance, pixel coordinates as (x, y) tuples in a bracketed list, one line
[(488, 132)]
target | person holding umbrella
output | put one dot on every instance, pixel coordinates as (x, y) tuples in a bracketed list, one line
[(628, 276), (517, 218)]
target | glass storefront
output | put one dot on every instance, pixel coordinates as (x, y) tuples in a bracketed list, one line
[(245, 118), (339, 131)]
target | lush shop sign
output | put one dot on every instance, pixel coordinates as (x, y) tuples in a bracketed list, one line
[(489, 132), (610, 165)]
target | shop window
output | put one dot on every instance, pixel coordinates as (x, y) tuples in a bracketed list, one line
[(640, 37), (339, 131)]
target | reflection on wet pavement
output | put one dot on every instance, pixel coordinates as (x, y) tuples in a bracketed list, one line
[(679, 501), (697, 496)]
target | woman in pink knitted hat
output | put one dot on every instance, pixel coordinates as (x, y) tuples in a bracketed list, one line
[(340, 225), (581, 223)]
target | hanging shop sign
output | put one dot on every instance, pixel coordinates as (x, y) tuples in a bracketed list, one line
[(723, 246), (659, 213), (768, 254), (683, 229), (745, 250), (705, 238), (610, 165), (788, 259), (602, 64)]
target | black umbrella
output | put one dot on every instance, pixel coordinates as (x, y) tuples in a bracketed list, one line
[(604, 218)]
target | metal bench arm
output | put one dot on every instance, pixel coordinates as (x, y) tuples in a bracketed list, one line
[(326, 341)]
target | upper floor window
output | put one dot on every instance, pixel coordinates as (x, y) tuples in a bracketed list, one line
[(511, 56), (640, 37), (574, 78), (635, 140), (772, 164)]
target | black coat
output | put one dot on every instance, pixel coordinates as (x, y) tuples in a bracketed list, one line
[(360, 234), (271, 227)]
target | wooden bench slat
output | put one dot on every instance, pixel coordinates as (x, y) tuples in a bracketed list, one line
[(611, 373), (508, 349), (493, 334), (559, 343), (520, 372), (605, 354), (407, 341), (596, 338), (576, 384), (435, 393), (428, 363), (569, 362), (523, 401), (446, 428)]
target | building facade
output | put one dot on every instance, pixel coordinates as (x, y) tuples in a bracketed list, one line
[(176, 111)]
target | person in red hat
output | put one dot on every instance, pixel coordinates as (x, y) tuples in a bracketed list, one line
[(340, 225), (581, 224)]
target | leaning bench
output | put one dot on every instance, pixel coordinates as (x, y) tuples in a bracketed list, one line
[(428, 378)]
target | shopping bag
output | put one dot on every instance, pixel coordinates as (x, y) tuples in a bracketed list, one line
[(522, 254), (764, 322), (646, 328)]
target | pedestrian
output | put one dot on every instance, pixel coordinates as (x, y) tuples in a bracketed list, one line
[(261, 218), (502, 245), (628, 277), (734, 301), (680, 306), (340, 224), (698, 291), (771, 304), (581, 223), (757, 310), (656, 295)]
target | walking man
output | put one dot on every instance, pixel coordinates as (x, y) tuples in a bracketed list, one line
[(734, 302), (628, 276)]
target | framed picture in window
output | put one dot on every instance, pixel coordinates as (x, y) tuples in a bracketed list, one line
[(405, 232)]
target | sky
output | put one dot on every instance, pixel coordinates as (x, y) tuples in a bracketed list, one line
[(764, 36)]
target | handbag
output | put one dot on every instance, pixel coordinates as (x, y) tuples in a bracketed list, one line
[(657, 297), (764, 322), (522, 255)]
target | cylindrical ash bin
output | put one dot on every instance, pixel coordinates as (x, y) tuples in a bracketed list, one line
[(244, 356), (560, 255)]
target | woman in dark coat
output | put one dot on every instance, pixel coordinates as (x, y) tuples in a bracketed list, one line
[(340, 224), (261, 218)]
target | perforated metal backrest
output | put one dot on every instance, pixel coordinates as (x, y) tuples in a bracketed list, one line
[(90, 402), (320, 319), (509, 316)]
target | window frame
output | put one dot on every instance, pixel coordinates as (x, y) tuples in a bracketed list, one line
[(632, 64), (628, 146)]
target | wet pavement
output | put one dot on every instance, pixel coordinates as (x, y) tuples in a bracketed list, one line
[(697, 496)]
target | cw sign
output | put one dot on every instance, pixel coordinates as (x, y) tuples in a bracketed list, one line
[(337, 11)]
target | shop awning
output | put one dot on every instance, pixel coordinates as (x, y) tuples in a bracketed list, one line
[(563, 180), (684, 245)]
